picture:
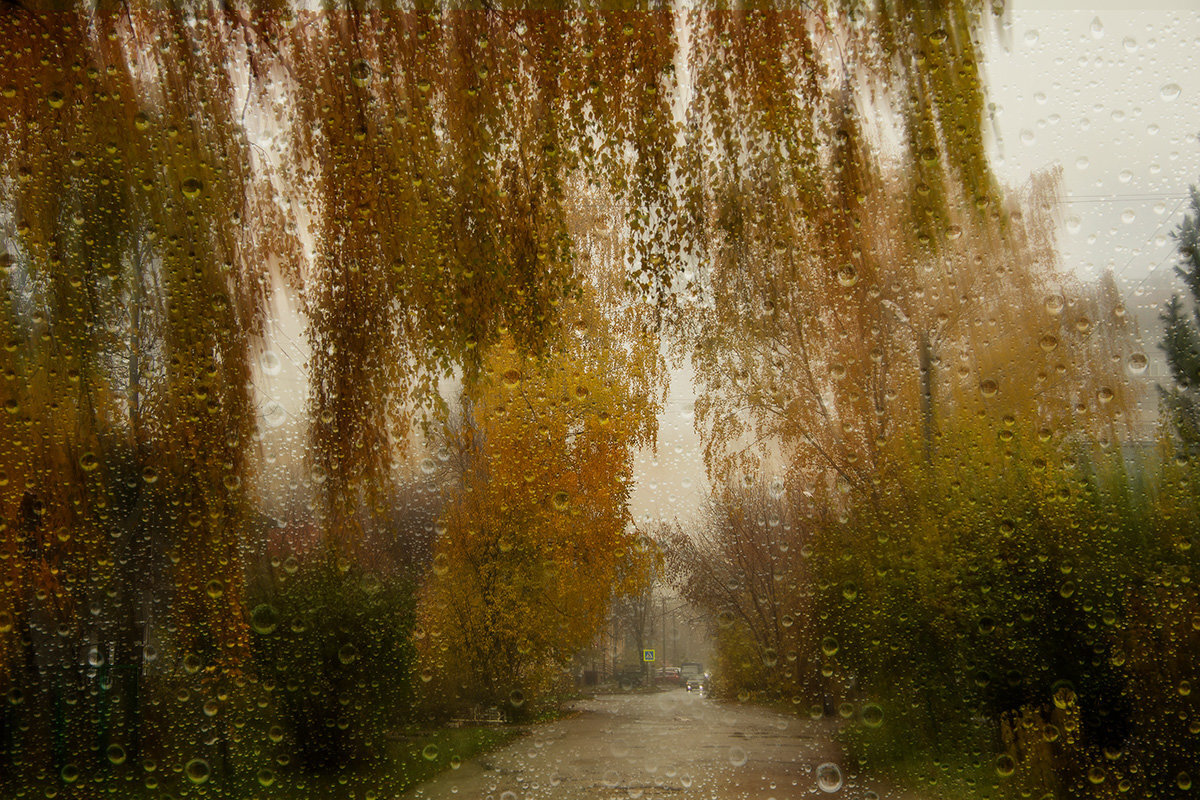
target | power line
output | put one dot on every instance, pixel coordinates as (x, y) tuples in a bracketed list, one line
[(1150, 271), (1128, 198), (1166, 219)]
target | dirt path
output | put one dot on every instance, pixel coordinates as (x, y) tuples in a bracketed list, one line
[(672, 744)]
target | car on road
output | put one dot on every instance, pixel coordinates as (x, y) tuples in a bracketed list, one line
[(695, 685)]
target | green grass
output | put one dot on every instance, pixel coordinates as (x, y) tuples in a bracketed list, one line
[(447, 746)]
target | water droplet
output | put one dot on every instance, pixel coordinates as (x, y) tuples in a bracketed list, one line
[(271, 365), (191, 188), (347, 653), (1032, 36), (274, 414), (1005, 766), (829, 777), (737, 756), (989, 388), (561, 501), (197, 771), (1138, 363), (265, 777), (1170, 91), (430, 752), (1097, 28), (847, 276), (776, 488), (94, 657), (360, 72), (263, 619), (872, 715), (1055, 303), (116, 754)]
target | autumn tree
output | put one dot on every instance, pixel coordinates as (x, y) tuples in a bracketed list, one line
[(132, 303), (745, 564), (437, 145), (536, 532), (633, 603)]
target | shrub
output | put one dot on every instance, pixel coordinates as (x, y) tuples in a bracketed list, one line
[(336, 641)]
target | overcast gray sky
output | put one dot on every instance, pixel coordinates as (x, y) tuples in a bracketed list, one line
[(1111, 95)]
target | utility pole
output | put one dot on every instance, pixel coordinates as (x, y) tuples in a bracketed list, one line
[(663, 632)]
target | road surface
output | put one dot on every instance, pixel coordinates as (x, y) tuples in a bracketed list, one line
[(644, 746)]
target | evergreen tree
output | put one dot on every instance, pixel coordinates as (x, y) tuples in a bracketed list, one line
[(1182, 341)]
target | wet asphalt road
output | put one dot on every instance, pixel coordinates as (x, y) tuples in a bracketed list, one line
[(673, 744)]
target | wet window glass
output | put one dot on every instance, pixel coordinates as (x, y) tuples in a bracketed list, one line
[(618, 400)]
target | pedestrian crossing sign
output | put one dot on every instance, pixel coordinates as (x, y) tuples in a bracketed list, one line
[(647, 655)]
